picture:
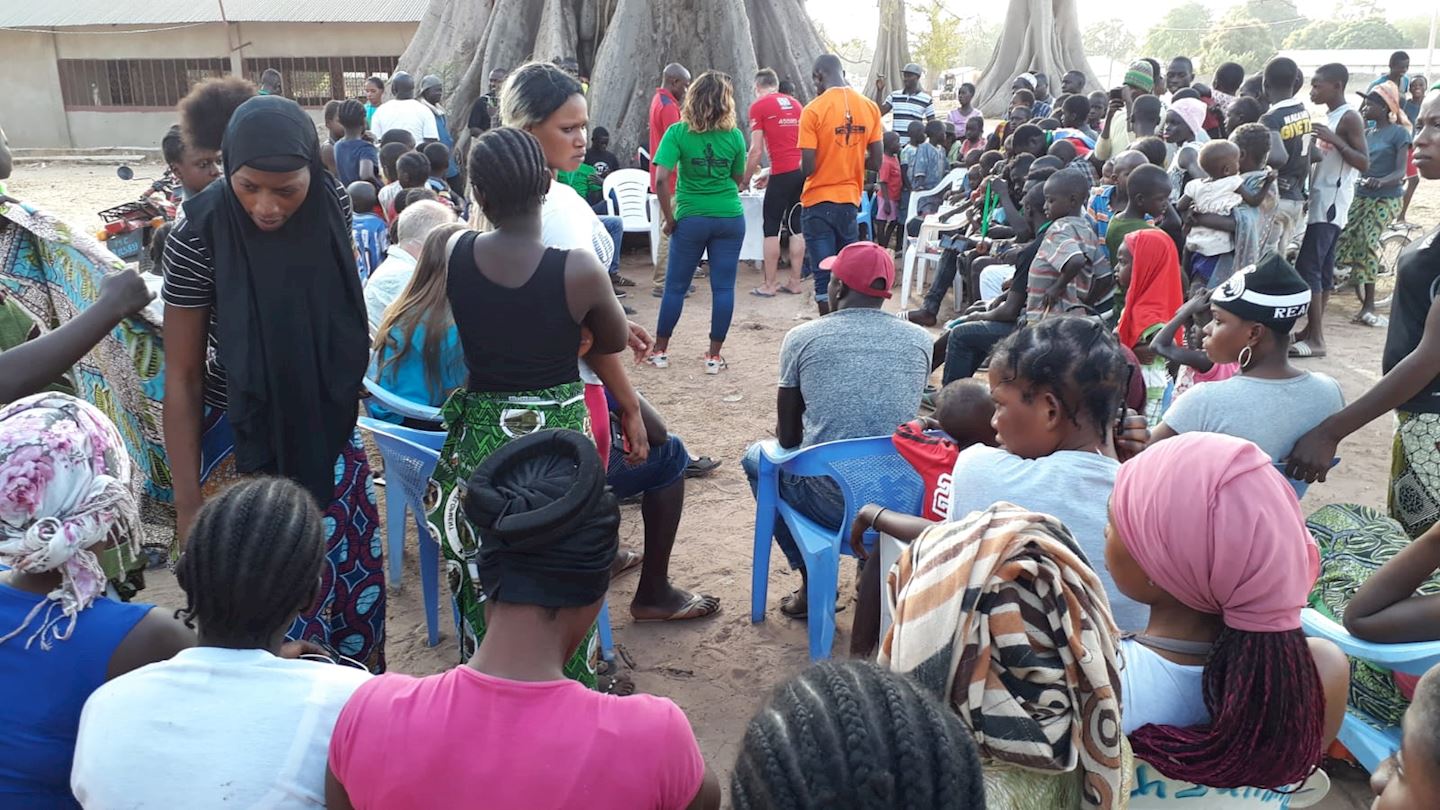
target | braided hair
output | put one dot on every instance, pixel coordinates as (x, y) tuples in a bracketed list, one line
[(1076, 358), (252, 561), (508, 172), (853, 736)]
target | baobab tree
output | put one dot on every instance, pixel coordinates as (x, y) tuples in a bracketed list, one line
[(892, 48), (621, 44), (1039, 35)]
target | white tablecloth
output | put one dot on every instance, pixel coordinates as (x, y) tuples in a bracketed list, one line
[(753, 248)]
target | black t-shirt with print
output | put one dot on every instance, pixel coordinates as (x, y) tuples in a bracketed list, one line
[(1292, 121)]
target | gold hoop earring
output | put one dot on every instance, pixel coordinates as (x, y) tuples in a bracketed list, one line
[(1246, 355)]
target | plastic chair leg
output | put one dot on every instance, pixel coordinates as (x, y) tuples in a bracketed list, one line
[(765, 517), (429, 580), (909, 273), (823, 578), (602, 629), (395, 535)]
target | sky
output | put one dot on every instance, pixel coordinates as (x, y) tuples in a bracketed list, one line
[(846, 19)]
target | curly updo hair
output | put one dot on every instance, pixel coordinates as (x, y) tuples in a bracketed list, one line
[(205, 111)]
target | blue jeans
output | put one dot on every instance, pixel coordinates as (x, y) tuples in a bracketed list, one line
[(722, 236), (969, 344), (616, 227), (664, 466), (827, 227), (816, 498)]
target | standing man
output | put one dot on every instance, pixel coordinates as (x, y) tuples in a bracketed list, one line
[(431, 92), (840, 134), (1399, 68), (1179, 75), (1343, 154), (403, 111), (1044, 102), (909, 103), (1289, 123), (485, 112), (1072, 83), (665, 111), (775, 128), (270, 81)]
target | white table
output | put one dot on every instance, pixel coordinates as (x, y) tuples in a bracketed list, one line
[(753, 204)]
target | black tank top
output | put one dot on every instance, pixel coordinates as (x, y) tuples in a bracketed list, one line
[(515, 339)]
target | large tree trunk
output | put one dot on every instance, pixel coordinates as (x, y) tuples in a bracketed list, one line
[(624, 44), (892, 48), (1039, 35)]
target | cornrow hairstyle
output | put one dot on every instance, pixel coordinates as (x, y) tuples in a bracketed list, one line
[(1262, 692), (508, 172), (332, 110), (852, 736), (351, 114), (205, 111), (412, 170), (252, 561), (1076, 358), (709, 104)]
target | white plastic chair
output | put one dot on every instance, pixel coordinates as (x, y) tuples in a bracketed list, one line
[(913, 254), (626, 194)]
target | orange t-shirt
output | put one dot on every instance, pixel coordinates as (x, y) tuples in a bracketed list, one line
[(840, 125)]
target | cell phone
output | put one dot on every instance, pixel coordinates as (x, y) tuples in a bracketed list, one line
[(1117, 93)]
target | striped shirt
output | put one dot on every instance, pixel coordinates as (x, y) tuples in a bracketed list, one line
[(190, 284), (906, 107)]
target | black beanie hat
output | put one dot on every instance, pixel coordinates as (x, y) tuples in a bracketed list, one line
[(1269, 292)]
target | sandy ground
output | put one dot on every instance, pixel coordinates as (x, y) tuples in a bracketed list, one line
[(719, 669)]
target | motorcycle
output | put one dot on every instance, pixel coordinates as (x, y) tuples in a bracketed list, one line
[(130, 228)]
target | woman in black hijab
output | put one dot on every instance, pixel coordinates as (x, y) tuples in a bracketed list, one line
[(266, 345)]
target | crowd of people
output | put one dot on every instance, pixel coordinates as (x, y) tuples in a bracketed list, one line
[(1110, 559)]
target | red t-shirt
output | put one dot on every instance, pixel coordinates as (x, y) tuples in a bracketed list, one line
[(778, 116), (664, 111), (890, 176), (934, 458)]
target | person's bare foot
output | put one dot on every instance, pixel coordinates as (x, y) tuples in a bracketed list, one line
[(676, 605)]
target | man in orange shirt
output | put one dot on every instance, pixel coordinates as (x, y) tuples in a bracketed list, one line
[(840, 134), (664, 112)]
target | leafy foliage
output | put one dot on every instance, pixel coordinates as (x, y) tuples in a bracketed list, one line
[(1179, 32), (1239, 37)]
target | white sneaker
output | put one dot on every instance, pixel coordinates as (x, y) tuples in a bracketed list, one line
[(659, 360), (714, 363)]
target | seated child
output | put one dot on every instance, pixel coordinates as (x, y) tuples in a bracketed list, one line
[(1071, 257), (963, 410), (1148, 269), (370, 231), (390, 155), (1194, 365), (889, 185)]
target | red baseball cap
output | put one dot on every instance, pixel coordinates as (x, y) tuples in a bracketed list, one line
[(859, 265)]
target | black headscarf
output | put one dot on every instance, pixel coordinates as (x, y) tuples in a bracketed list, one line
[(548, 525), (290, 318)]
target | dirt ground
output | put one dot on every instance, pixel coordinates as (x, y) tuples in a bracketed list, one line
[(719, 669)]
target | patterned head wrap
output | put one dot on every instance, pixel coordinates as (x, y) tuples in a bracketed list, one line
[(1390, 94), (1140, 75), (64, 490)]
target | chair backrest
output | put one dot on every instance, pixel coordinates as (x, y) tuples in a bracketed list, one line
[(408, 463), (627, 193), (939, 188), (399, 405), (868, 470)]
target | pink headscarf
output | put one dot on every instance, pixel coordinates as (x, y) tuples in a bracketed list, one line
[(1215, 525), (1192, 112)]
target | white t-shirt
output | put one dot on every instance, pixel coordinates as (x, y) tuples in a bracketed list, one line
[(387, 283), (211, 727), (567, 222), (1069, 485), (1157, 690), (408, 114)]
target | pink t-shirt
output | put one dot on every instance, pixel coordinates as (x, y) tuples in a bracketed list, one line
[(465, 739)]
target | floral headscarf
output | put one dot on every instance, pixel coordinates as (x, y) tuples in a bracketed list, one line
[(64, 490)]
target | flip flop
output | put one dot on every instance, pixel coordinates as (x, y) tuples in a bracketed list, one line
[(700, 466), (789, 291), (629, 561), (761, 293), (1302, 349), (1370, 319), (698, 607)]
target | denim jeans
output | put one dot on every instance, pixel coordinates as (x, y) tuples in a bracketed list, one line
[(616, 227), (722, 236), (827, 227), (968, 346), (816, 498)]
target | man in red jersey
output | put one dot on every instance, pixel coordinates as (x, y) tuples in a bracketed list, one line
[(775, 128), (665, 111)]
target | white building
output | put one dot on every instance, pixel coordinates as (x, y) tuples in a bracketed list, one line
[(90, 73)]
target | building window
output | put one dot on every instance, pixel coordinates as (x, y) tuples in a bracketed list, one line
[(314, 80), (159, 83)]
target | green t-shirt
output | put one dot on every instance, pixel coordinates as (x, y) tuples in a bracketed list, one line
[(707, 164), (580, 179)]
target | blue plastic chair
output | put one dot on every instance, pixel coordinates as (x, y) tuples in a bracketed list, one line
[(1370, 742), (867, 471), (399, 405), (866, 216)]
